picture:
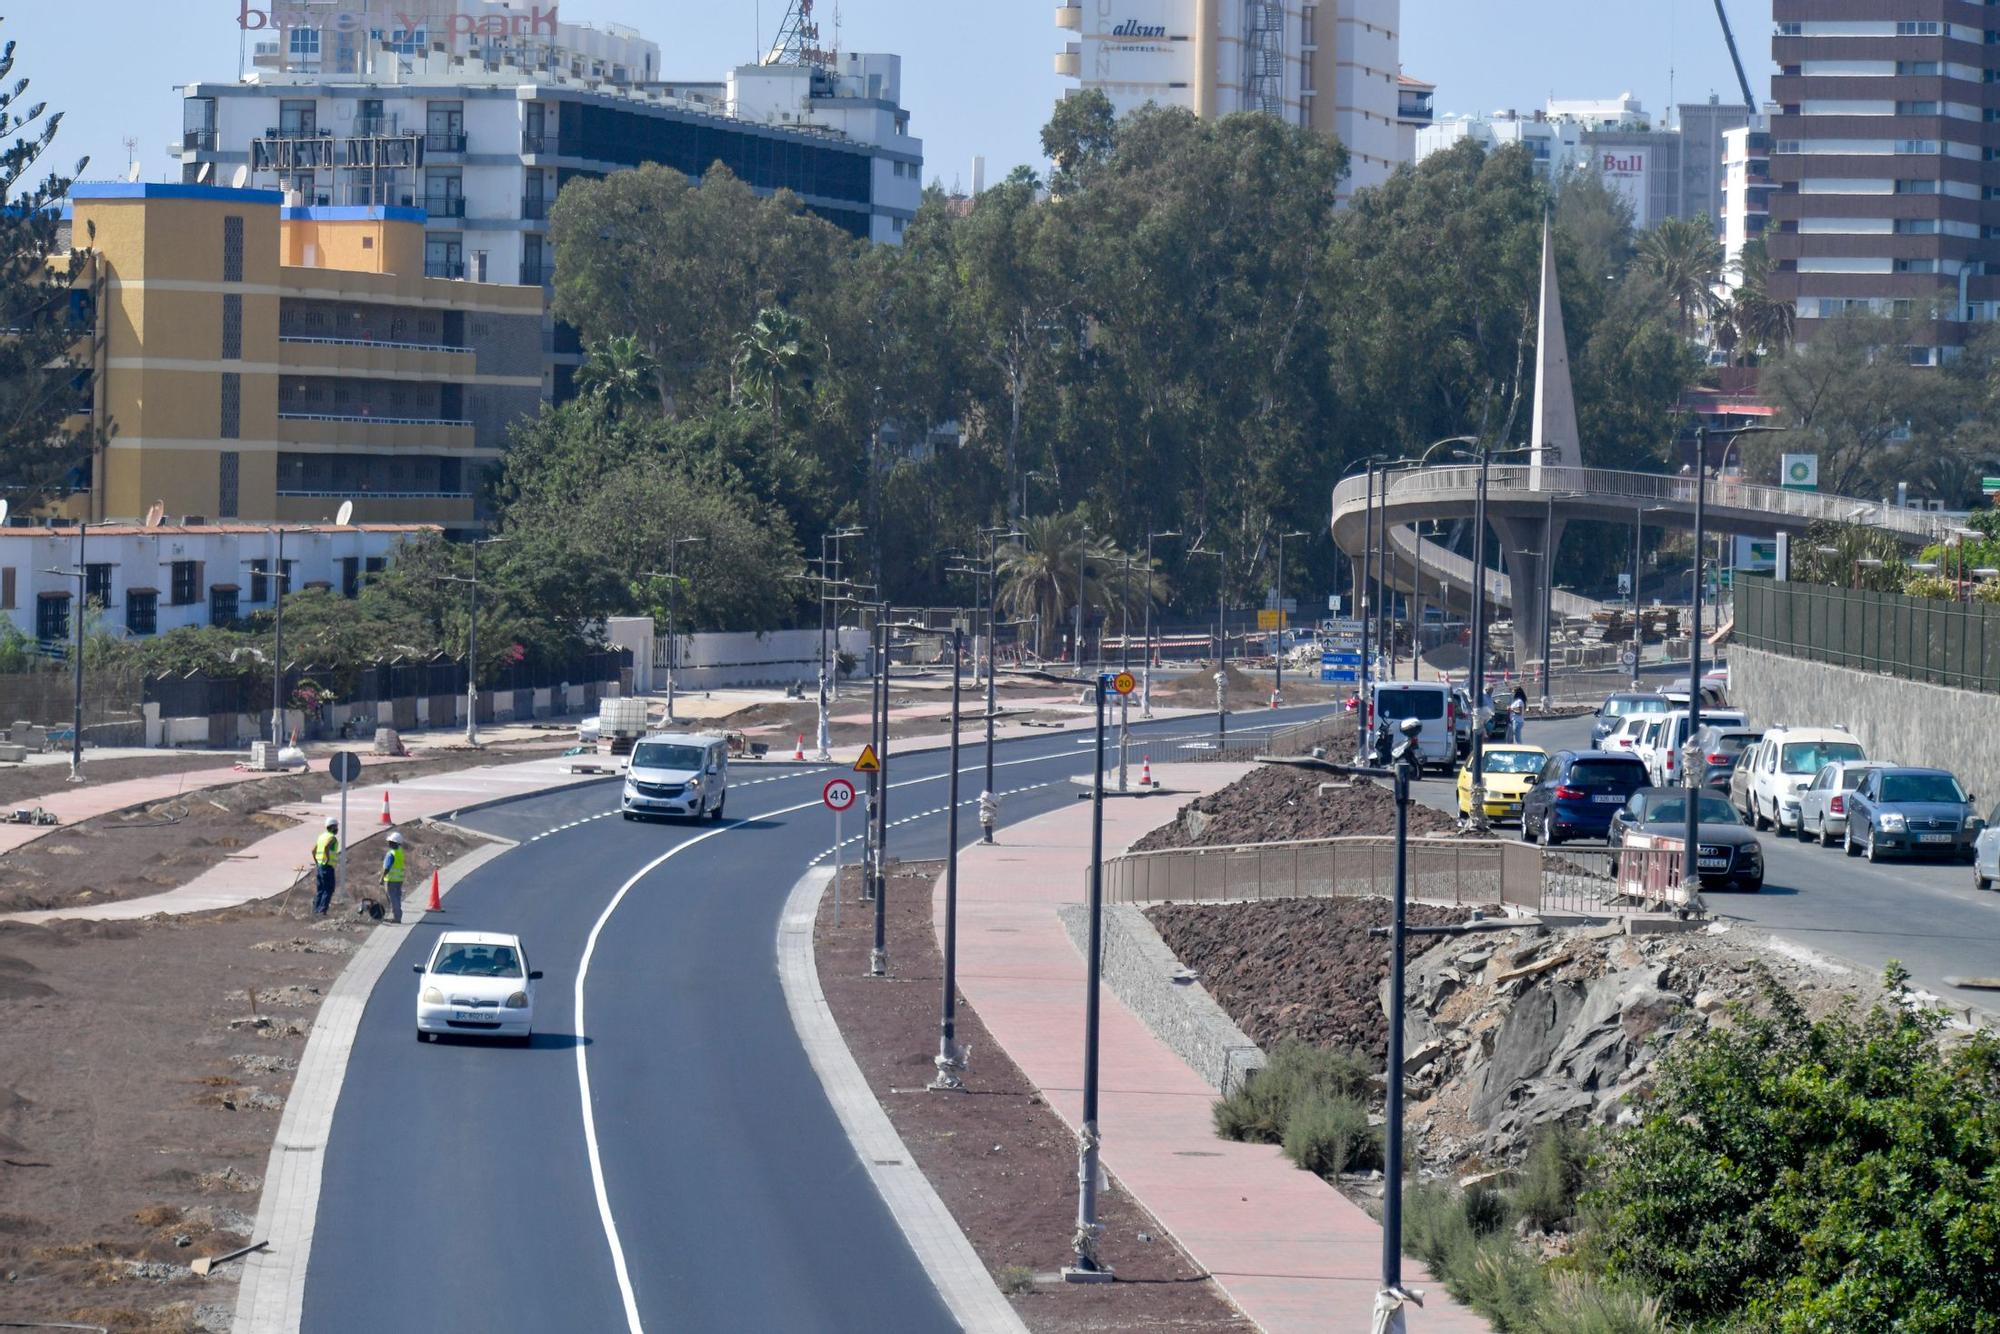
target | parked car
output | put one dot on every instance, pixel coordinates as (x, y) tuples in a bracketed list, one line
[(1787, 758), (1739, 777), (476, 984), (1726, 852), (1646, 739), (1823, 802), (1576, 793), (1664, 759), (1510, 770), (1986, 853), (1626, 735), (1910, 811), (1721, 748), (1619, 706)]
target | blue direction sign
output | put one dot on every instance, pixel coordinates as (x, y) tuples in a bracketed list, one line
[(1340, 666)]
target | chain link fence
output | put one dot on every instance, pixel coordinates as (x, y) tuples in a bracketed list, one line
[(1918, 639)]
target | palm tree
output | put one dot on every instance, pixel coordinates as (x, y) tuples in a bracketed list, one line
[(774, 360), (1766, 324), (1683, 255), (1059, 560), (618, 374)]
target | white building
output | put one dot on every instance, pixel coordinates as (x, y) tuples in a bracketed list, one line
[(1330, 67), (1746, 192), (151, 580), (444, 111), (1557, 145)]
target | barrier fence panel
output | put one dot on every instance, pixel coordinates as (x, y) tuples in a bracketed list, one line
[(1919, 639)]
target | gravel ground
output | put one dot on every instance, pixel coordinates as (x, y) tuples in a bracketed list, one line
[(1279, 803)]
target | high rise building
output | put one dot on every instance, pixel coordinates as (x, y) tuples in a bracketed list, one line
[(1746, 192), (1702, 126), (479, 111), (1887, 165), (1331, 67)]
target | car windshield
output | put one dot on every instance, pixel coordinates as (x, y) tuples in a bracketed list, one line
[(466, 960), (1514, 761), (1806, 757), (1652, 704), (1423, 704), (1617, 706), (665, 755), (1674, 809), (1921, 787), (1607, 776)]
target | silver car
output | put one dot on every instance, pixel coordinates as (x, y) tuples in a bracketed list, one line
[(1823, 801), (1986, 853)]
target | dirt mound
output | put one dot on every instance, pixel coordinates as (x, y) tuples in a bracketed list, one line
[(1296, 968), (1278, 803)]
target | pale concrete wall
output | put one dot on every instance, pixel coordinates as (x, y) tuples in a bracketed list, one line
[(780, 657), (1905, 722)]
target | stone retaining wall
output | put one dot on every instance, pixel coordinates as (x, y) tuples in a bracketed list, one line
[(1907, 722), (1143, 973)]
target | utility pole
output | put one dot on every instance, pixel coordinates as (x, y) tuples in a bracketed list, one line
[(1087, 1268), (951, 1058), (1146, 671), (471, 637), (1636, 514), (673, 600), (82, 576), (1483, 454), (1278, 670)]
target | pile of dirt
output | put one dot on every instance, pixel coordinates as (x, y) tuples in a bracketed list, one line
[(1278, 803)]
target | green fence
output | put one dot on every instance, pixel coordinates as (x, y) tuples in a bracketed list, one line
[(1918, 639)]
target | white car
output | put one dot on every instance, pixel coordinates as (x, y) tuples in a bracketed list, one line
[(1663, 760), (476, 984), (1786, 759), (1646, 739), (1626, 734)]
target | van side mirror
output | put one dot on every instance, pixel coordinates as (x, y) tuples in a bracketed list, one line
[(417, 968), (535, 975)]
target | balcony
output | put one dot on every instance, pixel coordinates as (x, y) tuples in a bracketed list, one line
[(1069, 63), (535, 208), (537, 143), (198, 141), (445, 206), (444, 268), (1070, 16), (435, 142), (351, 431), (363, 357)]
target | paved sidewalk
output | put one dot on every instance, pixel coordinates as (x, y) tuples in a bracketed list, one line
[(1290, 1250), (75, 805), (269, 865)]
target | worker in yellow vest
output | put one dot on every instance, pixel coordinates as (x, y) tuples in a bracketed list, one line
[(394, 866), (326, 855)]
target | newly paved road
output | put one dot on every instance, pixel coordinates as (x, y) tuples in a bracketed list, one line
[(1924, 913), (460, 1190)]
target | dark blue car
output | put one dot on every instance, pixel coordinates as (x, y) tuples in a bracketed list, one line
[(1577, 793), (1910, 812)]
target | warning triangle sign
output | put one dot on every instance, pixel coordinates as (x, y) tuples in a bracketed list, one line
[(868, 764)]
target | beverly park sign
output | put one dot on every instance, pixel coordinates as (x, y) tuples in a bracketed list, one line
[(394, 24)]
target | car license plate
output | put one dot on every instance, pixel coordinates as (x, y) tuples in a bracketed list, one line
[(1608, 799), (476, 1016), (1712, 863), (1934, 838)]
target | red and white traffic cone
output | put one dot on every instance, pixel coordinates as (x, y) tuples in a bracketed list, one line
[(799, 748), (434, 905), (385, 807), (1274, 699), (1145, 771)]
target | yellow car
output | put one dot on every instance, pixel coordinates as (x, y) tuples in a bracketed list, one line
[(1510, 772)]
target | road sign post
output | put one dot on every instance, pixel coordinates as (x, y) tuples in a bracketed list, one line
[(838, 794), (345, 768), (1124, 683)]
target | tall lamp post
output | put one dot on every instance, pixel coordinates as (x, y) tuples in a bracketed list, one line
[(1482, 454), (1278, 660), (1221, 671), (82, 576), (471, 636), (673, 601), (1146, 668), (1691, 768)]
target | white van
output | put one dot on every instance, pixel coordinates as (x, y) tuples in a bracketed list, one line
[(1431, 703), (677, 773), (1663, 760)]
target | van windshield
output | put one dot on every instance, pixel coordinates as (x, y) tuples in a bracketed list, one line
[(1423, 704), (1807, 757), (666, 755)]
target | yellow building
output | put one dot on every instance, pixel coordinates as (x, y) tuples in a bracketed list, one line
[(259, 362)]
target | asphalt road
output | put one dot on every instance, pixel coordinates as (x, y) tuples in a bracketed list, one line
[(460, 1191), (1924, 913)]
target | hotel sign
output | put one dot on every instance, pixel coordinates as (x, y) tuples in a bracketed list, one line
[(393, 23)]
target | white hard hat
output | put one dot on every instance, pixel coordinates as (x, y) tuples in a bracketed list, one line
[(333, 822), (395, 837)]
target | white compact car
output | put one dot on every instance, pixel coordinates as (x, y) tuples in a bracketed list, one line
[(1785, 761), (476, 984)]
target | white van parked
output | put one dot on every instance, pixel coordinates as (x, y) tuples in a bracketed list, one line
[(1663, 760), (1431, 703), (1787, 758), (677, 773)]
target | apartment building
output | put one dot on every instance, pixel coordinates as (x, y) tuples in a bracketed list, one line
[(1746, 192), (1333, 68), (259, 361), (1885, 149)]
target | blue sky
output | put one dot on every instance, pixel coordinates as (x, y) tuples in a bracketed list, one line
[(976, 77)]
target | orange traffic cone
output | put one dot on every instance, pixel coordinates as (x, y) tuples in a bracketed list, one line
[(1274, 699), (434, 905), (799, 748), (385, 807), (1145, 771)]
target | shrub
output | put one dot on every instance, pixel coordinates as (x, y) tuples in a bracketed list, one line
[(1924, 585), (1013, 1280), (1580, 1304), (1329, 1134), (1986, 590), (1256, 1110), (1801, 1176), (1552, 1176)]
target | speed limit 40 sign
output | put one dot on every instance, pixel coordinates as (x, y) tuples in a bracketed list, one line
[(838, 795)]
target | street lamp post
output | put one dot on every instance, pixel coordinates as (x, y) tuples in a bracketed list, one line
[(951, 1058), (1146, 669), (1484, 455), (673, 600), (1637, 513), (82, 576), (1221, 670), (1087, 1267), (1278, 661), (471, 637)]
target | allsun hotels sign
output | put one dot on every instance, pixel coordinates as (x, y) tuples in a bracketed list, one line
[(394, 22)]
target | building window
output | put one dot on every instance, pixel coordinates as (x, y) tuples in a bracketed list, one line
[(229, 468), (1916, 108), (186, 582), (1916, 226), (416, 41), (1916, 187), (232, 249), (1917, 68), (221, 604), (444, 127), (1904, 28), (97, 584), (52, 617), (230, 416), (232, 327), (260, 581), (1795, 29), (298, 118), (7, 589), (1308, 16), (142, 613), (373, 565), (350, 576), (304, 44), (1916, 266), (444, 255)]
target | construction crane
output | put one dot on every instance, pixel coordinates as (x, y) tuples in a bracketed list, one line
[(1742, 80)]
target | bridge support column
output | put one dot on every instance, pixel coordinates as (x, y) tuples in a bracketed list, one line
[(1526, 545)]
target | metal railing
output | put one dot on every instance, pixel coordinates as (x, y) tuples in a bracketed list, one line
[(1917, 639), (370, 342), (437, 142), (369, 420), (1242, 746)]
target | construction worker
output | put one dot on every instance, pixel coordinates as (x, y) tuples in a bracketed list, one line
[(394, 865), (326, 855)]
